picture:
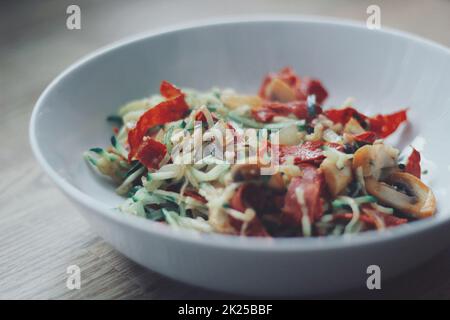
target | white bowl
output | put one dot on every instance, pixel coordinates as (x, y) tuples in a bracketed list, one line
[(384, 70)]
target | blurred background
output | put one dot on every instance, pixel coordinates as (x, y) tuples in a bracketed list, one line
[(35, 43), (35, 46)]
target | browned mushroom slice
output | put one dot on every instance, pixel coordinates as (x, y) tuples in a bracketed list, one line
[(404, 192)]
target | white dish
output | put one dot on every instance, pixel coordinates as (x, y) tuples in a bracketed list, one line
[(383, 69)]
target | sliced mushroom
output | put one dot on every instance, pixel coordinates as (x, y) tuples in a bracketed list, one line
[(404, 192), (383, 180), (234, 101), (252, 173), (278, 90), (377, 161), (337, 179)]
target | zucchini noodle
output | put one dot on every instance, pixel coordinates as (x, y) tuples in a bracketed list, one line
[(356, 213)]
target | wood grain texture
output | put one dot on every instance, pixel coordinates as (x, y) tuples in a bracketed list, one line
[(41, 233)]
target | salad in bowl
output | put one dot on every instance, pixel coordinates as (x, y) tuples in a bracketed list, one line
[(278, 163)]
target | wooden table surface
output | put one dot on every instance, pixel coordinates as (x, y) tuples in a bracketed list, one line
[(41, 233)]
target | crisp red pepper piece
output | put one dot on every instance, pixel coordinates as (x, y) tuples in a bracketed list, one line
[(168, 90), (313, 87), (310, 151), (312, 184), (263, 114), (302, 87), (366, 137), (150, 153), (344, 115), (201, 117), (305, 152), (413, 163), (173, 109), (271, 109), (381, 125), (385, 125)]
